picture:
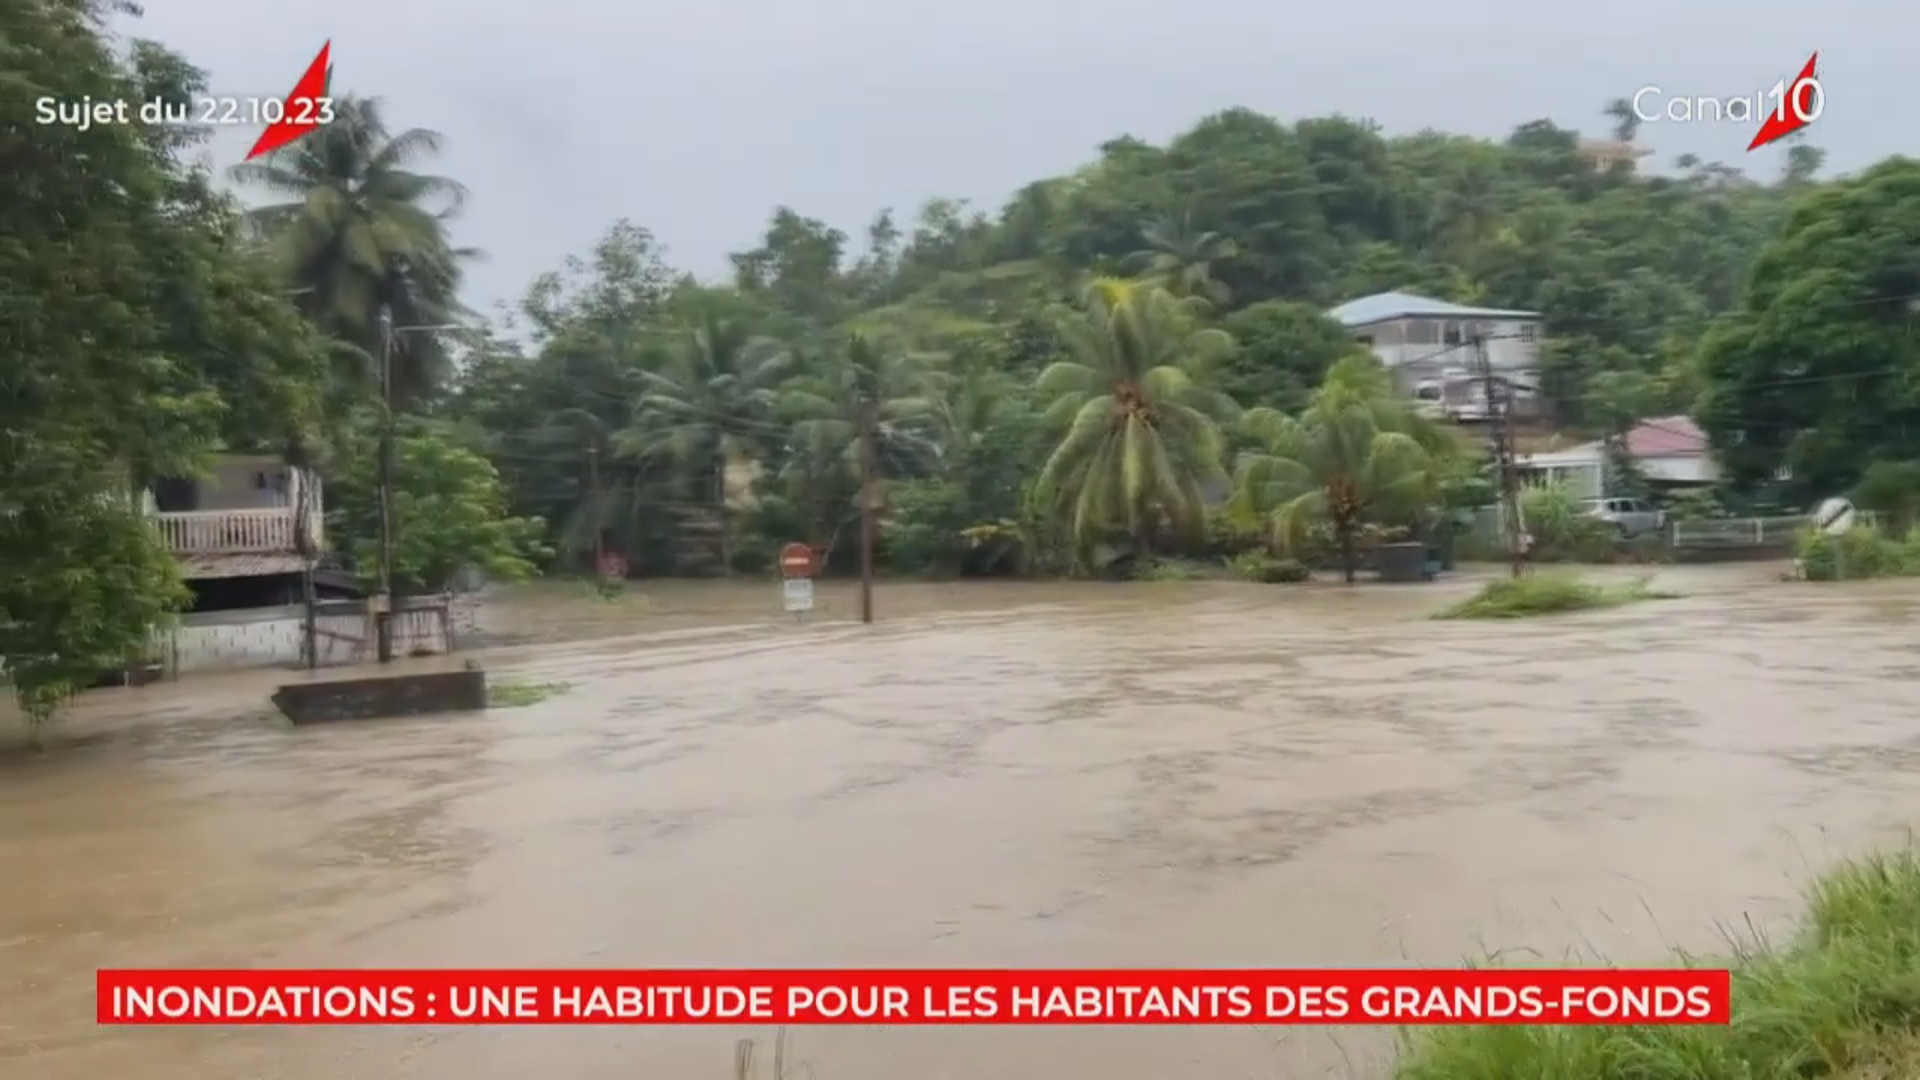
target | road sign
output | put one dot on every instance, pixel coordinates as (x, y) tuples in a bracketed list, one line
[(797, 594), (797, 561), (1835, 516)]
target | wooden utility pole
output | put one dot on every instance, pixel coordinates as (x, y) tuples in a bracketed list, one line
[(303, 542), (383, 613), (593, 494), (1499, 399), (869, 497)]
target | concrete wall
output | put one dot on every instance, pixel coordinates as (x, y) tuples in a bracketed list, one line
[(271, 637)]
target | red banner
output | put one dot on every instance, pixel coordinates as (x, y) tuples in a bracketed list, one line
[(804, 997)]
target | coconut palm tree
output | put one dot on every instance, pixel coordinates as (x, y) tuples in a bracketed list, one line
[(1356, 456), (710, 411), (1180, 258), (865, 384), (1142, 444), (360, 232)]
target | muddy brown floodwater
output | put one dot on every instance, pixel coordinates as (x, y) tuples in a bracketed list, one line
[(1072, 775)]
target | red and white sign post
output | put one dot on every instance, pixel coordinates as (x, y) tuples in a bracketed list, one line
[(798, 564)]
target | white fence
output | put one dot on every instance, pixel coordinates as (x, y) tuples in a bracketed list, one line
[(276, 637), (1745, 532)]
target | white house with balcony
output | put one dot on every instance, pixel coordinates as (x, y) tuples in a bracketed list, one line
[(247, 534), (1428, 346), (250, 516)]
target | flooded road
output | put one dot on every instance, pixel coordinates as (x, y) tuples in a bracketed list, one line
[(1024, 775)]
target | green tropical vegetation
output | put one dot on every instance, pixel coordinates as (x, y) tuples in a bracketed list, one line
[(1834, 1003), (1126, 370), (1860, 553)]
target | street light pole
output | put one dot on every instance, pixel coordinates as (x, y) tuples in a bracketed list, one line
[(383, 609)]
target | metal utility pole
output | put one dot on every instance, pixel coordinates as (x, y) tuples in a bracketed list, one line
[(1499, 400), (383, 611), (869, 492)]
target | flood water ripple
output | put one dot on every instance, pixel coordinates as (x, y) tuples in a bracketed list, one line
[(1060, 774)]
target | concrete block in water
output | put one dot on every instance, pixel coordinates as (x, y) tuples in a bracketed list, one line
[(383, 696)]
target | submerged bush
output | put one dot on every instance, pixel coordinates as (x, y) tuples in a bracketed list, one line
[(1546, 594), (1865, 552), (1268, 570)]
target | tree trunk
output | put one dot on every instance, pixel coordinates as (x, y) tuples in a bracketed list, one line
[(1348, 560)]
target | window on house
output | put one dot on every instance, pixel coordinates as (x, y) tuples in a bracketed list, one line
[(1452, 336), (1529, 332), (1420, 332), (1365, 339)]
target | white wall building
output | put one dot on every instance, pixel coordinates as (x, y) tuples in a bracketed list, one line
[(1428, 346), (1670, 451)]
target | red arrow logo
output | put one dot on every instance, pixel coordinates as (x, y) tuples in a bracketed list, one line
[(1795, 105), (306, 108)]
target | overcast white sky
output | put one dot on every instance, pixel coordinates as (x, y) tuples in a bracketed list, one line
[(696, 119)]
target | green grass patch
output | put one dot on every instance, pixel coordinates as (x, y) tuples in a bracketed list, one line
[(512, 694), (1548, 594), (1840, 1002)]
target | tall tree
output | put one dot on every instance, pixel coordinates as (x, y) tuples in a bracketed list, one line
[(360, 232), (1181, 258), (1357, 456), (710, 411), (1818, 375), (1142, 446), (135, 337)]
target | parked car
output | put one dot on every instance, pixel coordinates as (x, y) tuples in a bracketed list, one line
[(1629, 517)]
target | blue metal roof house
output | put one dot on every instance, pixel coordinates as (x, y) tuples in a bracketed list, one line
[(1427, 344)]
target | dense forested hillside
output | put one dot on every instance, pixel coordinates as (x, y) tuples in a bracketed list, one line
[(1132, 358), (1267, 222)]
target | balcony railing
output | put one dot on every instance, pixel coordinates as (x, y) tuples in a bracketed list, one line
[(228, 532)]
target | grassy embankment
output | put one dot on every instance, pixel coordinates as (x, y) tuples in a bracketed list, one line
[(1548, 594), (1841, 1002)]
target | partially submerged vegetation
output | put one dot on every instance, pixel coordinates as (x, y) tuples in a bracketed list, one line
[(1841, 1002), (1865, 552), (512, 694), (1548, 594)]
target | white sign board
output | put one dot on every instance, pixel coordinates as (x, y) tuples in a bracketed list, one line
[(797, 594), (1834, 517)]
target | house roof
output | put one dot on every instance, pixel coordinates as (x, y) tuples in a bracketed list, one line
[(1381, 307), (1668, 436)]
